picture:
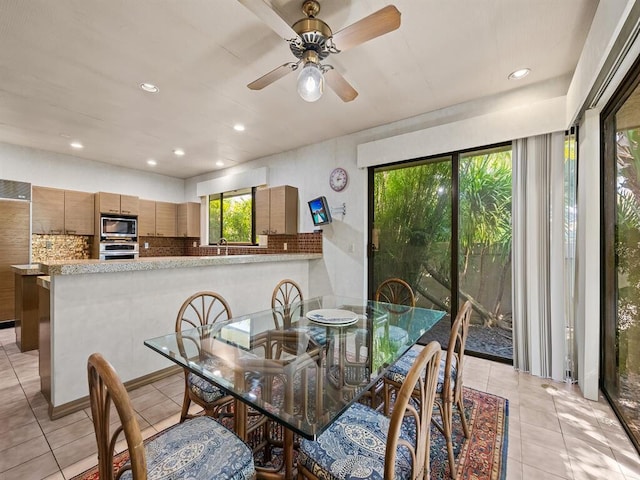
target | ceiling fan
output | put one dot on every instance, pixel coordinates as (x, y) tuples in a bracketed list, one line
[(312, 41)]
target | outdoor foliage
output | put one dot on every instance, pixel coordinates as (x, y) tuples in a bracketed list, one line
[(236, 215), (413, 224)]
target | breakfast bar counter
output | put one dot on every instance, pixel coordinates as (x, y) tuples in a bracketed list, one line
[(75, 267), (112, 306)]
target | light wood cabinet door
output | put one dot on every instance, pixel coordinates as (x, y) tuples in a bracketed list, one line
[(283, 212), (107, 202), (114, 203), (129, 205), (147, 218), (78, 213), (262, 199), (166, 224), (47, 210), (189, 219), (14, 250)]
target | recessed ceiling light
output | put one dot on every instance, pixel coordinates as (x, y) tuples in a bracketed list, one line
[(238, 127), (518, 74), (76, 145), (178, 152), (220, 163), (152, 162), (149, 87)]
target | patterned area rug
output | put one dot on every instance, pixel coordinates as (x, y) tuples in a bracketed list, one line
[(481, 457)]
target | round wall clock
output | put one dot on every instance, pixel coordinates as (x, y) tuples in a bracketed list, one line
[(338, 179)]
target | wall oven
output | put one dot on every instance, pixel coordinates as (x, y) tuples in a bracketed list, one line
[(118, 250), (118, 227)]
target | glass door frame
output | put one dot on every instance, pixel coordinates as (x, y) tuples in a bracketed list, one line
[(608, 272), (455, 226)]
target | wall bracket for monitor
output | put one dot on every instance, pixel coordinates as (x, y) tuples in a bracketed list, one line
[(342, 210)]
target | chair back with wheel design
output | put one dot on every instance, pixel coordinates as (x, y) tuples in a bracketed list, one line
[(286, 298), (105, 387), (395, 291), (201, 308)]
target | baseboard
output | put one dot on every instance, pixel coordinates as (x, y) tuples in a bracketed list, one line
[(82, 403)]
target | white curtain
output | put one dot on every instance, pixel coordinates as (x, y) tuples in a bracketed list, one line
[(538, 256)]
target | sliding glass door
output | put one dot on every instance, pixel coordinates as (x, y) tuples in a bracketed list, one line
[(620, 365), (443, 225)]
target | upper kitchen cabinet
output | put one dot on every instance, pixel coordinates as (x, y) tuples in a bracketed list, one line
[(147, 218), (277, 210), (115, 203), (166, 221), (58, 212), (78, 213), (47, 210), (189, 219)]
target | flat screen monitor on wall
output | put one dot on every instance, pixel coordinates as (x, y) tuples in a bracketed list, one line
[(320, 213)]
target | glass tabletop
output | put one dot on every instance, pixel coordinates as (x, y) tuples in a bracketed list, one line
[(301, 365)]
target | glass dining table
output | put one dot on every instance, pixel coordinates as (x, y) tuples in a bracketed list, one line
[(294, 369)]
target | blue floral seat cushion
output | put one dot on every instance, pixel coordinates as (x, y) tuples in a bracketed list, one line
[(198, 449), (204, 389), (398, 371), (353, 447), (316, 332)]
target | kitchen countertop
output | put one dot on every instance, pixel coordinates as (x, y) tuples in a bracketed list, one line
[(28, 269), (77, 267)]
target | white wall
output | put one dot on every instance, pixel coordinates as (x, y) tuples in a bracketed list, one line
[(344, 268), (49, 169)]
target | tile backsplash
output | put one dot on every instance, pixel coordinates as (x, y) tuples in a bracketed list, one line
[(76, 247), (60, 247)]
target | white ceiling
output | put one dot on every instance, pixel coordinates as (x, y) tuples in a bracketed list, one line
[(71, 70)]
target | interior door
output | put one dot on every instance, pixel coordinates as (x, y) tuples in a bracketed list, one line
[(14, 250)]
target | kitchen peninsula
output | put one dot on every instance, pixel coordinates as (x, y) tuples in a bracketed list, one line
[(113, 306)]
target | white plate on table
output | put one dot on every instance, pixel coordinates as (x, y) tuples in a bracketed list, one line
[(333, 316)]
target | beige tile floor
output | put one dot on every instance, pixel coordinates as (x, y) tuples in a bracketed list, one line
[(553, 432)]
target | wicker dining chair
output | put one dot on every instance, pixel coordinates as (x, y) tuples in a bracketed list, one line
[(398, 297), (450, 380), (286, 304), (286, 295), (202, 308), (205, 448), (364, 443)]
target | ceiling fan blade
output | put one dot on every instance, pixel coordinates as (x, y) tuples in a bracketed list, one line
[(265, 12), (275, 74), (378, 23), (339, 85)]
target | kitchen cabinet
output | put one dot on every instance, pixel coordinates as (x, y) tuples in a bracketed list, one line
[(189, 219), (114, 203), (166, 219), (157, 219), (277, 210), (58, 212), (14, 250), (147, 218), (78, 213), (47, 210)]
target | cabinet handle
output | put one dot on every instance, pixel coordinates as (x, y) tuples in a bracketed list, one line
[(126, 211), (114, 211), (56, 232), (71, 232)]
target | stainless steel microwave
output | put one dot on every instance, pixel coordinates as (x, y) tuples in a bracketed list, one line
[(118, 227)]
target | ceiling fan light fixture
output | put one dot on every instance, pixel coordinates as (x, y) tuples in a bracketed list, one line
[(310, 82)]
